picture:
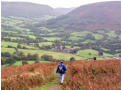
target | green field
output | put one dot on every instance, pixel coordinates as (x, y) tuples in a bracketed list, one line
[(56, 55), (7, 31), (5, 44), (88, 41), (90, 53), (45, 43), (52, 38), (19, 63), (98, 36), (30, 36), (15, 38), (83, 33), (111, 34), (35, 39), (85, 53), (10, 50), (44, 29), (74, 38)]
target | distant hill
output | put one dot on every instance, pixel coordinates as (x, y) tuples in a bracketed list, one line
[(25, 9), (97, 16)]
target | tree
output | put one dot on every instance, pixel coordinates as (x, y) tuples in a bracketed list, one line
[(47, 57), (36, 45), (37, 61), (10, 46), (29, 56), (36, 57), (3, 60), (25, 47), (10, 60), (19, 46), (90, 36), (100, 53), (16, 57), (5, 54), (119, 55), (89, 54), (46, 47), (22, 56), (72, 59), (24, 62)]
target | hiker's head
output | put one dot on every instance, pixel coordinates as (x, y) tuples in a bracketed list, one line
[(61, 61)]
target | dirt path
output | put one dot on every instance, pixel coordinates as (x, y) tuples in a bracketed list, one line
[(55, 87)]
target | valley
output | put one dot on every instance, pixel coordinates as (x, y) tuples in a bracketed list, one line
[(19, 36), (36, 37)]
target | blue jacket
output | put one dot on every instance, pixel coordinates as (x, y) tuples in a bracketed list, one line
[(63, 67)]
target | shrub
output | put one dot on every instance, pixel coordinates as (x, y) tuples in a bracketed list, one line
[(47, 57), (24, 62), (72, 59), (5, 54)]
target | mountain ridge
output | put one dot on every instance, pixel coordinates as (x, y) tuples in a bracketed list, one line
[(28, 9), (101, 16)]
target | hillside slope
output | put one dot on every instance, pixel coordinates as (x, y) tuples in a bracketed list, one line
[(26, 9), (97, 16), (84, 75)]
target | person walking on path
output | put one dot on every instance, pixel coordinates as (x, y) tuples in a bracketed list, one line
[(61, 69), (94, 58)]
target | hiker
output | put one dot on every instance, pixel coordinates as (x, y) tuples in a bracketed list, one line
[(61, 69), (94, 57)]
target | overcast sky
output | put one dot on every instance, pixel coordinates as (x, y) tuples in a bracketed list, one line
[(62, 3)]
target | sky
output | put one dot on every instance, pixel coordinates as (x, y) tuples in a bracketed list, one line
[(62, 3)]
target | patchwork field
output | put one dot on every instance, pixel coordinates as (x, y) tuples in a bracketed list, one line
[(23, 35), (56, 55), (52, 38)]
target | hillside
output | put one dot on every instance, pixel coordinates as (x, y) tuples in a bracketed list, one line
[(97, 16), (20, 37), (84, 75), (26, 9), (25, 41)]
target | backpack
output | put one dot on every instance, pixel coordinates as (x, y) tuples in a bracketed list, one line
[(61, 69)]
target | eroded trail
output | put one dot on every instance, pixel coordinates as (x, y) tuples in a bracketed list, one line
[(53, 85)]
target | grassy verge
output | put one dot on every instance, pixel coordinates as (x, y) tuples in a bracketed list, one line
[(19, 63), (47, 86), (53, 82)]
